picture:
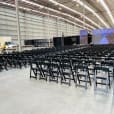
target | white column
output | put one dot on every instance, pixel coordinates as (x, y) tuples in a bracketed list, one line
[(83, 17), (48, 28), (66, 29), (57, 26), (18, 24)]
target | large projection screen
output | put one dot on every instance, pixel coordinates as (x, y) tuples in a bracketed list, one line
[(83, 37), (103, 36)]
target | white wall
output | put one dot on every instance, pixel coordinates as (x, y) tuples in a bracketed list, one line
[(33, 26)]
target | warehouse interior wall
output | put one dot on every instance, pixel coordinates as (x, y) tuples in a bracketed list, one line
[(33, 26)]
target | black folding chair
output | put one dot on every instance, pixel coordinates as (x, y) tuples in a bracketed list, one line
[(82, 74), (44, 66), (35, 70), (54, 72), (67, 72), (101, 76)]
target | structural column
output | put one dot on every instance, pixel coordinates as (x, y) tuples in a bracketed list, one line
[(18, 24), (83, 17), (57, 33), (48, 28)]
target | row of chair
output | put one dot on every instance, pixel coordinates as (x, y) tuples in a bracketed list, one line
[(67, 70), (80, 65), (20, 59)]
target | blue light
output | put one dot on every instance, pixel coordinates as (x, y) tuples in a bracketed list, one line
[(103, 31), (103, 36), (104, 40), (83, 32)]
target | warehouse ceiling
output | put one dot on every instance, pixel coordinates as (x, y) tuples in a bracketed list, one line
[(90, 14)]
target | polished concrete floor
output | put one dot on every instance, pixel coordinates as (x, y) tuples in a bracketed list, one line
[(20, 95)]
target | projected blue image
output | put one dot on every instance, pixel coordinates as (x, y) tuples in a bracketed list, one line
[(103, 36), (83, 32), (83, 37), (104, 40)]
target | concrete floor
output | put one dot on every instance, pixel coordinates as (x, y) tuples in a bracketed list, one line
[(20, 95)]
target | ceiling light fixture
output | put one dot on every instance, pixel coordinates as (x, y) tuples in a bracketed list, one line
[(102, 2), (47, 14), (76, 12), (97, 0), (60, 8), (92, 11), (40, 6), (77, 5), (68, 15), (59, 12)]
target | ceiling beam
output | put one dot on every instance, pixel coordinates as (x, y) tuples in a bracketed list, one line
[(75, 12), (58, 12), (92, 10), (105, 6), (46, 14)]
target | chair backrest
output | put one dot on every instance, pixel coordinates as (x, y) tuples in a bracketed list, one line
[(83, 67), (100, 68)]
